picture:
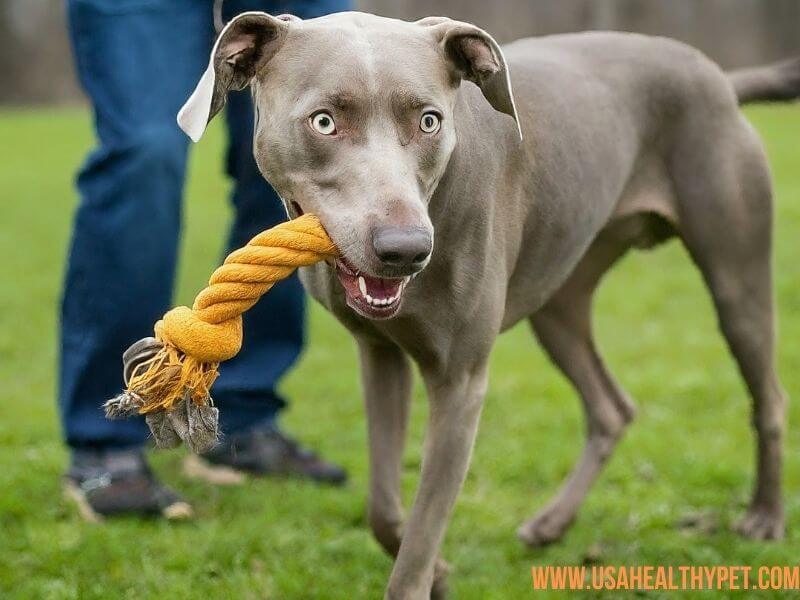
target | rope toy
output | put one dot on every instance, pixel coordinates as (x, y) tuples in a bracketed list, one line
[(168, 378)]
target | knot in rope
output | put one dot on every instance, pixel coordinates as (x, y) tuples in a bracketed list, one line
[(195, 340)]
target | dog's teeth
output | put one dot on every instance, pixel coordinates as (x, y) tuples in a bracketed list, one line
[(362, 285), (379, 302)]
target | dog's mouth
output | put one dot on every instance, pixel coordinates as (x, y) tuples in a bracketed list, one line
[(371, 297)]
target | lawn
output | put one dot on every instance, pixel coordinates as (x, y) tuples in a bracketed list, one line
[(690, 449)]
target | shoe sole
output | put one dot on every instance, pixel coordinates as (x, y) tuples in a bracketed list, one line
[(177, 511), (194, 467)]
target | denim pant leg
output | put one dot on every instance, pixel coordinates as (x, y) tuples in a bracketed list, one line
[(138, 60), (274, 327), (305, 9)]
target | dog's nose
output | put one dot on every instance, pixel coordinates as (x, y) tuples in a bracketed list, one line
[(402, 246)]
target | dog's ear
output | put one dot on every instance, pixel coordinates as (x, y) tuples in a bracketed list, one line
[(475, 55), (243, 47)]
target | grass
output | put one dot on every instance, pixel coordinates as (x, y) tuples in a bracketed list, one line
[(689, 450)]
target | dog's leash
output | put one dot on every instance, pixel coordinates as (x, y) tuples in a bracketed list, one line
[(168, 378)]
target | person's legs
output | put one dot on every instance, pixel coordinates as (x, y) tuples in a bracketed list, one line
[(138, 61)]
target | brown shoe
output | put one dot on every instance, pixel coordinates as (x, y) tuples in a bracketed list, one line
[(264, 451), (105, 483)]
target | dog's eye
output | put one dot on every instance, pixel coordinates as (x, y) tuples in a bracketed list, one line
[(323, 123), (430, 122)]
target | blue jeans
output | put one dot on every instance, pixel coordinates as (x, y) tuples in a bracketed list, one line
[(138, 61)]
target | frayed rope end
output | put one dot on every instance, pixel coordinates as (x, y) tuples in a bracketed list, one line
[(172, 390), (123, 405), (168, 377)]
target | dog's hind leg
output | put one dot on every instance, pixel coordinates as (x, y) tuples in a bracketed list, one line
[(743, 300), (563, 327), (727, 228)]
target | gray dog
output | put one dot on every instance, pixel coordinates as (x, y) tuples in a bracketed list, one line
[(460, 212)]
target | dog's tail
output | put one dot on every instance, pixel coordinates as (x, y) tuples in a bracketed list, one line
[(778, 82)]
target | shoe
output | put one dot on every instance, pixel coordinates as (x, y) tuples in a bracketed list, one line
[(263, 451), (104, 483)]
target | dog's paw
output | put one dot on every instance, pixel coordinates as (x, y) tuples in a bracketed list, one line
[(762, 524), (543, 529)]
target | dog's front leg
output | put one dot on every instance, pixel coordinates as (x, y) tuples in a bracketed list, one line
[(386, 380), (455, 406)]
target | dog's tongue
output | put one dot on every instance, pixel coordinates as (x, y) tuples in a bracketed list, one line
[(363, 285), (381, 288)]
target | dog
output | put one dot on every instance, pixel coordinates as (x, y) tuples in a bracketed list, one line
[(462, 204)]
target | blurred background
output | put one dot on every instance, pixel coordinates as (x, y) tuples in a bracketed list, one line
[(35, 65), (676, 485)]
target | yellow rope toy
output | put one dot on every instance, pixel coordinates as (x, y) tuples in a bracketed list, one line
[(169, 378)]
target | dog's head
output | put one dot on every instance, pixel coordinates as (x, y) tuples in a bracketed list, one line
[(354, 123)]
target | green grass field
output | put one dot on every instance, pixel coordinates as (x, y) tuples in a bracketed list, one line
[(689, 451)]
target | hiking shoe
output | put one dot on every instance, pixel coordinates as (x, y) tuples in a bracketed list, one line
[(264, 451), (115, 482)]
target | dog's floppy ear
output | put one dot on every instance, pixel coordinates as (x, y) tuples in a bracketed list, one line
[(245, 45), (476, 56)]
